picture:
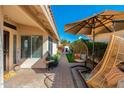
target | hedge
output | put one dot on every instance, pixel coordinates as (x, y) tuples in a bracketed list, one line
[(100, 48)]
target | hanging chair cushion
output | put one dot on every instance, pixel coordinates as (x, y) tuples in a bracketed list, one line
[(113, 76), (77, 56)]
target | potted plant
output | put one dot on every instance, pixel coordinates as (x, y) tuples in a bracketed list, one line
[(56, 60)]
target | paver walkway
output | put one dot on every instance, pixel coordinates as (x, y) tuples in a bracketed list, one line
[(60, 77)]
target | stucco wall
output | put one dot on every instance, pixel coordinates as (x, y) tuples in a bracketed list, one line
[(1, 48), (54, 48), (119, 31), (106, 37), (45, 44), (119, 26)]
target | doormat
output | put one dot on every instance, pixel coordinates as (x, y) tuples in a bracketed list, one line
[(9, 75)]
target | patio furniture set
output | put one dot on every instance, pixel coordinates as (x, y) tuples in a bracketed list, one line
[(109, 71), (106, 73)]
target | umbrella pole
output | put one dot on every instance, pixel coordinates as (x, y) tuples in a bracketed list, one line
[(93, 54), (113, 28)]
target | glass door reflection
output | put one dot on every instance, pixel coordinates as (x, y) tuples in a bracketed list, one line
[(31, 46), (25, 46), (36, 46)]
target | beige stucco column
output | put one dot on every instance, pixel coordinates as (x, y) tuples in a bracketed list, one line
[(1, 47), (45, 44), (54, 48)]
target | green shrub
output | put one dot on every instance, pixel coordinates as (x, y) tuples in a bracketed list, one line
[(99, 50), (70, 57), (56, 57), (78, 46), (56, 60)]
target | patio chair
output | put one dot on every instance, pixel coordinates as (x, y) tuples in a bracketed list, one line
[(82, 57), (98, 66), (114, 55)]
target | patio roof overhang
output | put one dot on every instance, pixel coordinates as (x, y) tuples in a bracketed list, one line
[(32, 15), (49, 15), (17, 16)]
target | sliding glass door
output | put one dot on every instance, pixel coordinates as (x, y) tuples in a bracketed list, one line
[(31, 46), (14, 48), (37, 46), (25, 47)]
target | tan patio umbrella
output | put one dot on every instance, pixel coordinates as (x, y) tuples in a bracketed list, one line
[(99, 23)]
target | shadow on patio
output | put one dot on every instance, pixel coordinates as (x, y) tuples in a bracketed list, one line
[(59, 77)]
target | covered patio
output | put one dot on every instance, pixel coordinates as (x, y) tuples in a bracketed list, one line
[(59, 77), (49, 67)]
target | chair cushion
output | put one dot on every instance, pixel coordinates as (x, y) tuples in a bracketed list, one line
[(79, 60), (77, 56), (113, 76), (83, 56)]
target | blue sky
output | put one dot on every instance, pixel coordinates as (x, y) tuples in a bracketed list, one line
[(64, 14)]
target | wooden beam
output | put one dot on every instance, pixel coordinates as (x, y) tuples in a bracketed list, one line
[(82, 26), (103, 24), (107, 19), (73, 26)]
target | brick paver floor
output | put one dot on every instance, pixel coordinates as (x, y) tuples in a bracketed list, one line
[(59, 77)]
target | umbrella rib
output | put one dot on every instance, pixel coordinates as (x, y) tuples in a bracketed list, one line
[(104, 21), (104, 25), (73, 26), (82, 27), (107, 18)]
